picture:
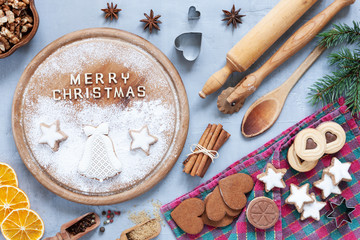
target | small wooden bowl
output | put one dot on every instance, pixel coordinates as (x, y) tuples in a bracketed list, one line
[(28, 36)]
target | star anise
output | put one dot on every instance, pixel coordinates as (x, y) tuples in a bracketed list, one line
[(233, 17), (111, 11), (151, 21)]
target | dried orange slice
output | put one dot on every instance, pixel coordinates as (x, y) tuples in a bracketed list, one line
[(23, 224), (11, 198), (7, 175)]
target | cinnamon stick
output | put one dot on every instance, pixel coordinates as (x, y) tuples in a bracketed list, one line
[(199, 156), (224, 136), (191, 159), (210, 146)]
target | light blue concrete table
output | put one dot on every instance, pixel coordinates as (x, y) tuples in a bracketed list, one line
[(58, 18)]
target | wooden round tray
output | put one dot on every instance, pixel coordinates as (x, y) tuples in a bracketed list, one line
[(115, 196)]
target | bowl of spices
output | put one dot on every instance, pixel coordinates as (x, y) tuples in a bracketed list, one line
[(19, 22)]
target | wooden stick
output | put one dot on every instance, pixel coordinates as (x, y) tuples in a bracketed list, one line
[(191, 159), (199, 156), (209, 147), (224, 136)]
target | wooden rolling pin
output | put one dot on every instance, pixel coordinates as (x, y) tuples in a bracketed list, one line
[(258, 40), (296, 42)]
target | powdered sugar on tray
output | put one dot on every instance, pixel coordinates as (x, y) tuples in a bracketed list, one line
[(74, 57), (63, 164)]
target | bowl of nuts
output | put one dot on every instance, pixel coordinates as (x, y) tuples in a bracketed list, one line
[(19, 22)]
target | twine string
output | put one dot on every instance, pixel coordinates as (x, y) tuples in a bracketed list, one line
[(197, 148)]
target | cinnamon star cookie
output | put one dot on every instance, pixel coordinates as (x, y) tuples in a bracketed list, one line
[(142, 139), (272, 177), (326, 185), (339, 171), (312, 210), (299, 196), (52, 135)]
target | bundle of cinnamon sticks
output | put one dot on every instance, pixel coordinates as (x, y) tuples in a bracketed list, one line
[(213, 138)]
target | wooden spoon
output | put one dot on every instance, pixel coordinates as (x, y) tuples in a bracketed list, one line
[(263, 113), (294, 44)]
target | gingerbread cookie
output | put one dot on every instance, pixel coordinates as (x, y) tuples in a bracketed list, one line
[(262, 212), (299, 196), (225, 221), (297, 163), (334, 134), (142, 139), (312, 210), (233, 189), (310, 144), (339, 171), (272, 177), (216, 209), (52, 135), (188, 215), (326, 185)]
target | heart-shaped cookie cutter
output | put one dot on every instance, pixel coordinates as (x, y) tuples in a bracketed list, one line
[(193, 13), (189, 44)]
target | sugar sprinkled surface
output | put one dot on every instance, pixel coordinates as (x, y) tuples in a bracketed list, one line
[(63, 164), (161, 118), (74, 57)]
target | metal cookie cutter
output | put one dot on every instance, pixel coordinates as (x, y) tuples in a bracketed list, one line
[(340, 212), (193, 14), (189, 44)]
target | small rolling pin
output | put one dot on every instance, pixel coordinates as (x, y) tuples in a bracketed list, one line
[(258, 40), (296, 42)]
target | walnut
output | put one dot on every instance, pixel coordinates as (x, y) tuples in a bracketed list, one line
[(17, 12), (16, 4), (26, 27), (10, 16), (3, 20), (14, 22), (9, 35), (4, 44), (5, 8), (27, 19)]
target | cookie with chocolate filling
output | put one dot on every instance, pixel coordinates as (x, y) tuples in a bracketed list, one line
[(334, 134), (310, 144), (297, 163)]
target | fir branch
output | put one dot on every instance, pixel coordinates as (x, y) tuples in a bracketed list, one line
[(345, 81), (341, 33)]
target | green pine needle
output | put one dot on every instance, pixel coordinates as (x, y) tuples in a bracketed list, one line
[(345, 81)]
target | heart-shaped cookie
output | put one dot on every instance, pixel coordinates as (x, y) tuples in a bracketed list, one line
[(227, 220), (233, 189), (188, 215), (216, 209), (222, 223)]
